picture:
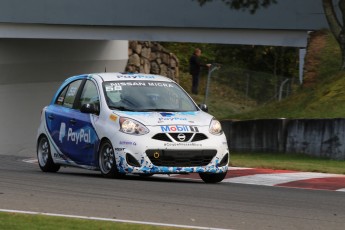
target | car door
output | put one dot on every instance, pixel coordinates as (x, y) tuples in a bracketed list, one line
[(60, 119), (81, 132)]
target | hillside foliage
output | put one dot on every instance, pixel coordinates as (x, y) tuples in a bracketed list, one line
[(231, 98)]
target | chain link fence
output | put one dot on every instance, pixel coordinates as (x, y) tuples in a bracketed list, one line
[(255, 86)]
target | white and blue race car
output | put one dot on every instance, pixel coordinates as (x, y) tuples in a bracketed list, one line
[(123, 123)]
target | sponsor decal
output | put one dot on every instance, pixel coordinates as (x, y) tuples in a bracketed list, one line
[(186, 113), (167, 114), (62, 133), (137, 83), (136, 77), (60, 99), (110, 88), (179, 128), (119, 149), (171, 119), (129, 83), (147, 114), (60, 156), (113, 117), (184, 144), (79, 136), (72, 91), (127, 143), (160, 84)]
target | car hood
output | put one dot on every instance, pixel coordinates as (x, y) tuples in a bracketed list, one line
[(198, 118)]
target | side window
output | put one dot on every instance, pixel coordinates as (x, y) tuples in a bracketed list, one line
[(60, 99), (89, 95), (71, 94)]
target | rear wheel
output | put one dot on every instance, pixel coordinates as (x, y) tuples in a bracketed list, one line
[(212, 178), (107, 161), (45, 160)]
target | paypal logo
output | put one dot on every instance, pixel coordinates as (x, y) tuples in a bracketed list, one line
[(62, 133), (78, 136)]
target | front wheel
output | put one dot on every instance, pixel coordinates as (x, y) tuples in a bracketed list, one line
[(212, 178), (45, 160), (107, 161)]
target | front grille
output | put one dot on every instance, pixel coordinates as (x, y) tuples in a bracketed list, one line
[(199, 137), (161, 137), (189, 137), (181, 158)]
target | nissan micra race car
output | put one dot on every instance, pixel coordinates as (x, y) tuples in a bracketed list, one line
[(130, 124)]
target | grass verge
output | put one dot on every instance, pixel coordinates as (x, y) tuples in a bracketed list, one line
[(15, 221), (298, 162)]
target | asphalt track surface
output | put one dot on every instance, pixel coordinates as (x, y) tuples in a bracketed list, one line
[(166, 200)]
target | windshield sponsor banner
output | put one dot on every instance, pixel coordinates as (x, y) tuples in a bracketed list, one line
[(179, 128), (117, 86), (138, 84)]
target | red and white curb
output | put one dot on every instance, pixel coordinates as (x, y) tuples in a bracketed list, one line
[(282, 178), (271, 177)]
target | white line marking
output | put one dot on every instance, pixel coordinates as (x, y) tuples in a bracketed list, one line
[(341, 190), (31, 160), (238, 168), (277, 178), (111, 220)]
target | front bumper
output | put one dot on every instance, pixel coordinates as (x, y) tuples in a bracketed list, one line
[(161, 157)]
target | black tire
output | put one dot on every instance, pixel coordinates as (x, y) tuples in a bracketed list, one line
[(107, 161), (146, 175), (44, 156), (212, 178)]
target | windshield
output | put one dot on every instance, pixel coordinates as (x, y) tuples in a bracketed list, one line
[(147, 96)]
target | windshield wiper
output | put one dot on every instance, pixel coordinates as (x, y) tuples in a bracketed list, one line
[(122, 108), (163, 110)]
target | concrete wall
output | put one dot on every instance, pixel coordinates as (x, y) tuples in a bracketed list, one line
[(315, 137), (283, 24), (30, 73), (286, 14)]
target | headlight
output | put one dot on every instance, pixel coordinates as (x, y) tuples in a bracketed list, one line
[(215, 127), (131, 126)]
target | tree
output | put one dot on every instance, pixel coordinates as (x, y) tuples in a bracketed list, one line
[(337, 27), (251, 5)]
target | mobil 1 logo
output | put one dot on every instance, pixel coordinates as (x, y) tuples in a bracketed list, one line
[(179, 128)]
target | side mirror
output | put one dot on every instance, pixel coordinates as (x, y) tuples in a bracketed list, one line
[(203, 107), (90, 108)]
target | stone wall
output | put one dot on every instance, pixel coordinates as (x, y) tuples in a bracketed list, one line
[(314, 137), (151, 57)]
